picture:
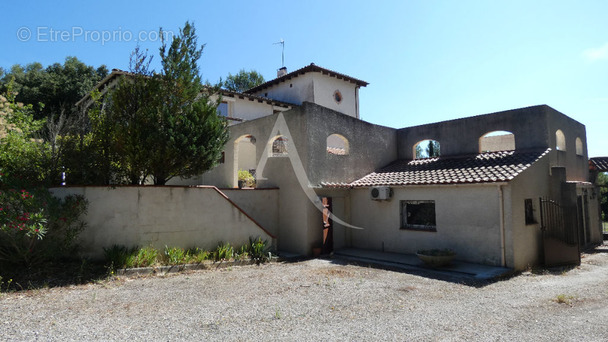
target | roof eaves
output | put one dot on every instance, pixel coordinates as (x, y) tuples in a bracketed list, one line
[(309, 68)]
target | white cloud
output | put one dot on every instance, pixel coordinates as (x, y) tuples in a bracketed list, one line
[(594, 54)]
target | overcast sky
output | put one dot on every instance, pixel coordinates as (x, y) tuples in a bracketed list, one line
[(426, 61)]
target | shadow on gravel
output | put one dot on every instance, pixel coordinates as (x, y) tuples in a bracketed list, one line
[(56, 274), (599, 249), (426, 273)]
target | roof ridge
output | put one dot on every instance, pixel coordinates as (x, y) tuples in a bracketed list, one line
[(312, 67)]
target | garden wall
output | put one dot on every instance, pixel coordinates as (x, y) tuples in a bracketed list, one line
[(184, 217)]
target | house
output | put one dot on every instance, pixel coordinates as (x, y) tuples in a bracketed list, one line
[(507, 189)]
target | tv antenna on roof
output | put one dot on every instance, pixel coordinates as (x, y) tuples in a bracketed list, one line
[(282, 42)]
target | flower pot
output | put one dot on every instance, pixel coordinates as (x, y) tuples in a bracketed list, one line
[(241, 184)]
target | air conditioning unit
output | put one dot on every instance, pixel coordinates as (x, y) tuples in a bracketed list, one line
[(380, 193)]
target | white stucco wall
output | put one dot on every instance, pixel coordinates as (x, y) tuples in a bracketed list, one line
[(248, 110), (294, 90), (467, 218), (324, 89), (158, 216), (316, 88)]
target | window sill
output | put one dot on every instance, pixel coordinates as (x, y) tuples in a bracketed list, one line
[(419, 229)]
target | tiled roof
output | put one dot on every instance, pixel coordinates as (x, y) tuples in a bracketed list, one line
[(309, 68), (336, 150), (600, 163), (117, 72), (260, 99), (487, 167)]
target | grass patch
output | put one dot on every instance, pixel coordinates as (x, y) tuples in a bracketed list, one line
[(564, 299), (120, 257)]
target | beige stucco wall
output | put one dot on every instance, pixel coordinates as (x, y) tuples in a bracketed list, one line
[(467, 218), (158, 216), (261, 204), (524, 242), (300, 223)]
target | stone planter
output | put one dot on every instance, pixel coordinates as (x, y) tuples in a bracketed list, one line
[(435, 258)]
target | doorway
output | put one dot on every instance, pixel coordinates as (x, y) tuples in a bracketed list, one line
[(328, 231)]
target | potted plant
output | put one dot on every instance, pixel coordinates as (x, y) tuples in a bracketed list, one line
[(245, 179), (436, 257)]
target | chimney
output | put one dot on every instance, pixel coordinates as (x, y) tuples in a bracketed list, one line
[(282, 72)]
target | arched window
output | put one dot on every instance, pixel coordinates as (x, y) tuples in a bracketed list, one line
[(560, 140), (244, 155), (427, 148), (579, 147), (337, 144), (497, 141), (279, 146)]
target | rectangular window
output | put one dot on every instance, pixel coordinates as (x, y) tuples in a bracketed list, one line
[(222, 109), (419, 215), (529, 207)]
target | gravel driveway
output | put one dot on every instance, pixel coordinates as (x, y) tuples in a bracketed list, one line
[(317, 300)]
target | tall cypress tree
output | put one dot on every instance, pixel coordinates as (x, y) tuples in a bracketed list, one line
[(168, 125)]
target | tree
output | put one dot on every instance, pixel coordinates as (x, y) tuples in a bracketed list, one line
[(165, 125), (243, 80), (432, 149), (23, 156), (58, 86)]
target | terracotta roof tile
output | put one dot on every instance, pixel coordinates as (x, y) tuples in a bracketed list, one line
[(500, 166)]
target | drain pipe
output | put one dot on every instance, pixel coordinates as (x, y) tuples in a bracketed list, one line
[(501, 206)]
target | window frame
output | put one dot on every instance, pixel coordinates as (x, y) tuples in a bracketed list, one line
[(405, 225), (529, 217)]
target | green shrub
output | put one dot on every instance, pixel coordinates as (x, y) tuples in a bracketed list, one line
[(36, 227), (246, 177), (144, 257), (196, 255), (258, 250), (118, 257), (223, 252), (175, 255)]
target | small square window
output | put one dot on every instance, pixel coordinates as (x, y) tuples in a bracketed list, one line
[(419, 215), (529, 207)]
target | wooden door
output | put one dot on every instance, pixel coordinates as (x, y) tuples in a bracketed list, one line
[(328, 233)]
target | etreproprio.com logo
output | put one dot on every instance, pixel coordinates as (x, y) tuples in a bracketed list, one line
[(78, 33)]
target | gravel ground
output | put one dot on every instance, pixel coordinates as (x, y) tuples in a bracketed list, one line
[(317, 300)]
